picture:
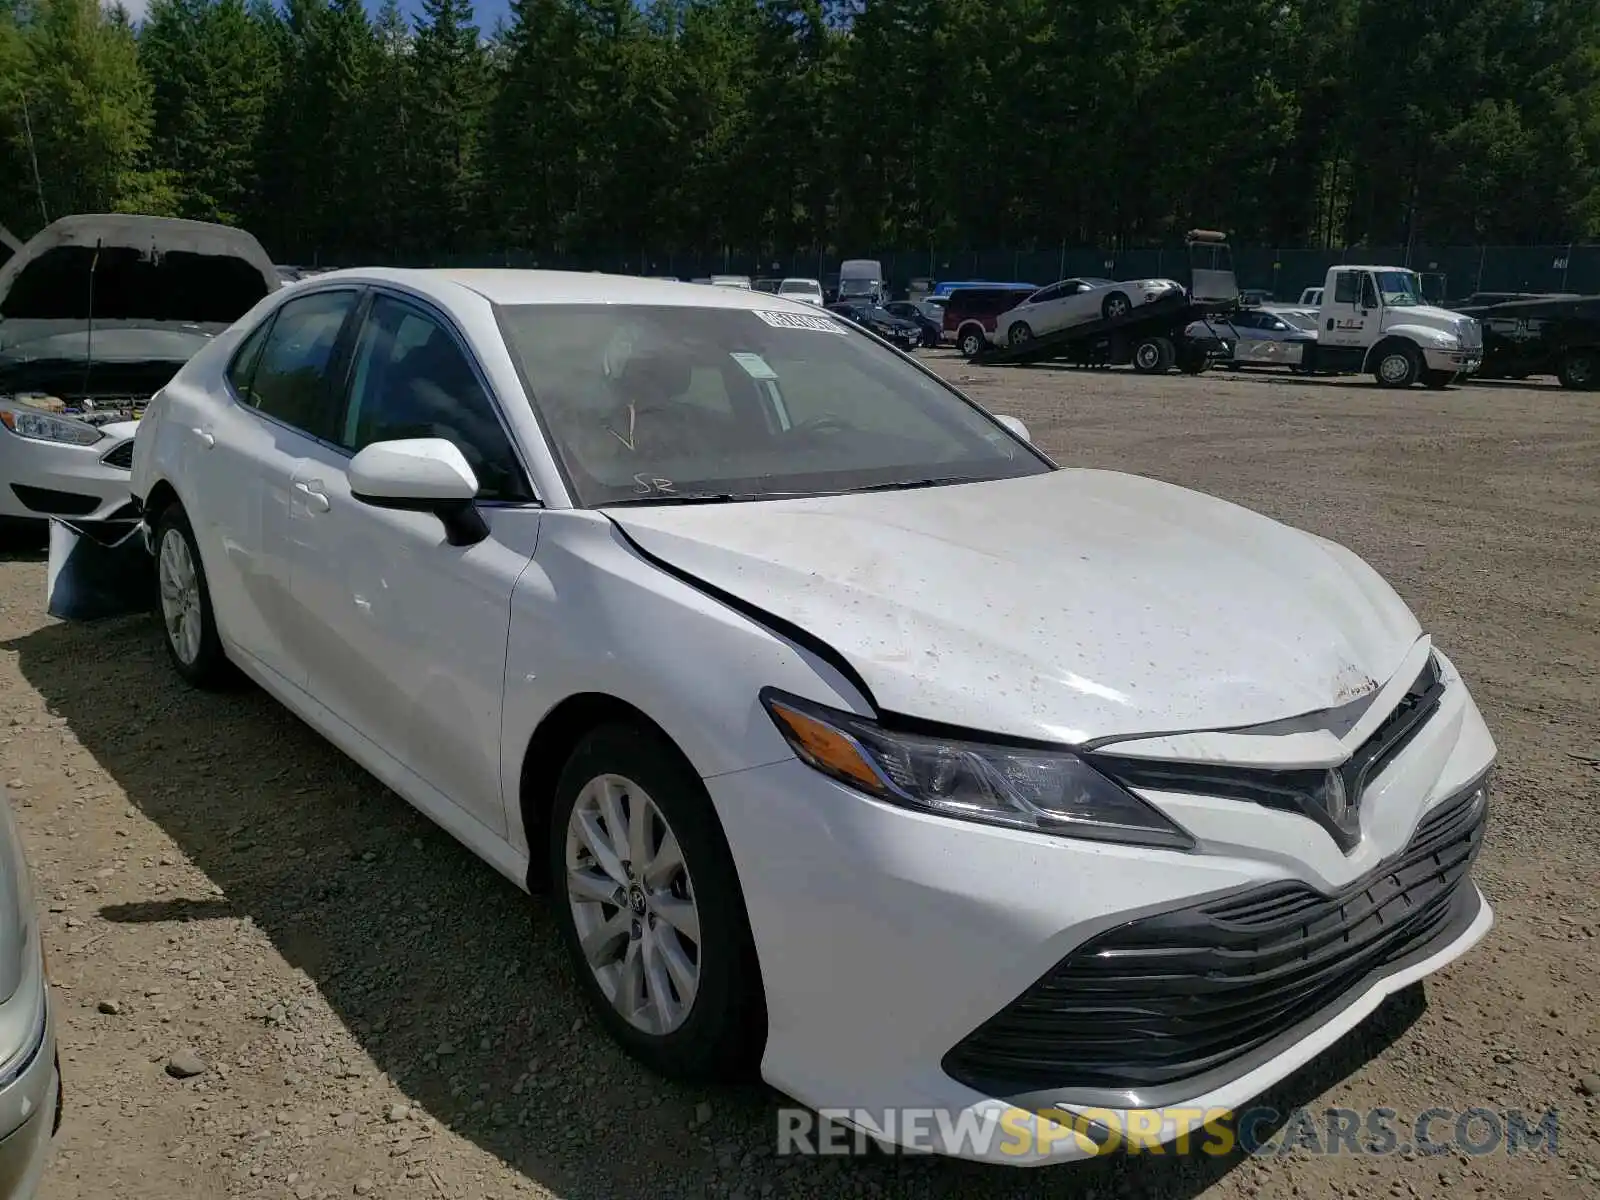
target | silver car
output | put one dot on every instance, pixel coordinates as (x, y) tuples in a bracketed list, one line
[(1266, 338), (30, 1072)]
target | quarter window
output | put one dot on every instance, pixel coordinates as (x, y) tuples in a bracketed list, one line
[(241, 370)]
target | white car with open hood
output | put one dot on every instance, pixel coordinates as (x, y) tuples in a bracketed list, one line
[(856, 742), (96, 313)]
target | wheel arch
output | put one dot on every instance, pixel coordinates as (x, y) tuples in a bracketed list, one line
[(554, 739), (161, 496), (1383, 345)]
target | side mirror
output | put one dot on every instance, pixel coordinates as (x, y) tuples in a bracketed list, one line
[(1016, 427), (421, 475)]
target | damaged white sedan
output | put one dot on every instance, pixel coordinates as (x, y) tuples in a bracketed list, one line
[(856, 742), (96, 313)]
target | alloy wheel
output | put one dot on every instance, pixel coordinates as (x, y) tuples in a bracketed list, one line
[(1394, 367), (180, 597), (633, 904)]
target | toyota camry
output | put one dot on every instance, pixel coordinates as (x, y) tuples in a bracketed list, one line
[(855, 742)]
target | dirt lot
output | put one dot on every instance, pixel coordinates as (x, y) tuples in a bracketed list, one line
[(380, 1015)]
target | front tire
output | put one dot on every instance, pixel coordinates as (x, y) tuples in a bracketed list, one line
[(1019, 334), (187, 618), (1398, 366), (650, 908), (1115, 305)]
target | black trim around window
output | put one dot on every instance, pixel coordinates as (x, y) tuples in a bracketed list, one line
[(341, 364), (445, 322)]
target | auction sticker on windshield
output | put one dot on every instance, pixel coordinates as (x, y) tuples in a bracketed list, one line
[(785, 320)]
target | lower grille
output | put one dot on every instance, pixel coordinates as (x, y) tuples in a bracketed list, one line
[(1176, 995), (47, 501)]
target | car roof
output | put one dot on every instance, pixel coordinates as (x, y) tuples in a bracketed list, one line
[(513, 287)]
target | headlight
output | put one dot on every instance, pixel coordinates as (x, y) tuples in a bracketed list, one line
[(40, 426), (1045, 791)]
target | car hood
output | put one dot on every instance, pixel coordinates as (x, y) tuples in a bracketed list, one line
[(1429, 317), (1069, 606), (128, 358), (25, 340)]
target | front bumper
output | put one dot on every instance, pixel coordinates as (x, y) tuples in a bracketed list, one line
[(30, 1083), (39, 479), (1461, 362), (887, 938)]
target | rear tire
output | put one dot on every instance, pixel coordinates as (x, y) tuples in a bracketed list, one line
[(971, 341), (1153, 356), (1398, 365), (1579, 370), (188, 622), (713, 1027)]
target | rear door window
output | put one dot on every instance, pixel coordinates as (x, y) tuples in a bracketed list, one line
[(293, 379)]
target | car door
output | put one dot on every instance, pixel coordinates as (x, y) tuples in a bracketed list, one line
[(1076, 304), (1248, 346), (408, 633), (280, 394), (1347, 314)]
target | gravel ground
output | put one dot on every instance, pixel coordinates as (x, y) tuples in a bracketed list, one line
[(375, 1013)]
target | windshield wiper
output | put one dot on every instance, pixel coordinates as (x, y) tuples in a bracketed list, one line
[(679, 498), (906, 484)]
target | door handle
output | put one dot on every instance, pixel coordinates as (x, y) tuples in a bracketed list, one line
[(316, 500), (207, 438)]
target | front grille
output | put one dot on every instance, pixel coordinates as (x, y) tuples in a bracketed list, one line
[(1384, 744), (119, 456), (1297, 790), (1174, 996)]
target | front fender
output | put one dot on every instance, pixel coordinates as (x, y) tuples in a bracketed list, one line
[(1423, 337), (591, 614)]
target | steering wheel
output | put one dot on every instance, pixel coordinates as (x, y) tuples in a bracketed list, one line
[(824, 423)]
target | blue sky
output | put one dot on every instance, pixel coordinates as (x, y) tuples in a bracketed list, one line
[(486, 11)]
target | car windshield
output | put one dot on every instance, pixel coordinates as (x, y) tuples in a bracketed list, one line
[(1399, 288), (804, 286), (651, 404)]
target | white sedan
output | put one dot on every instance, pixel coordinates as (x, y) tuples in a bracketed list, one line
[(1077, 302), (856, 743), (808, 291)]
